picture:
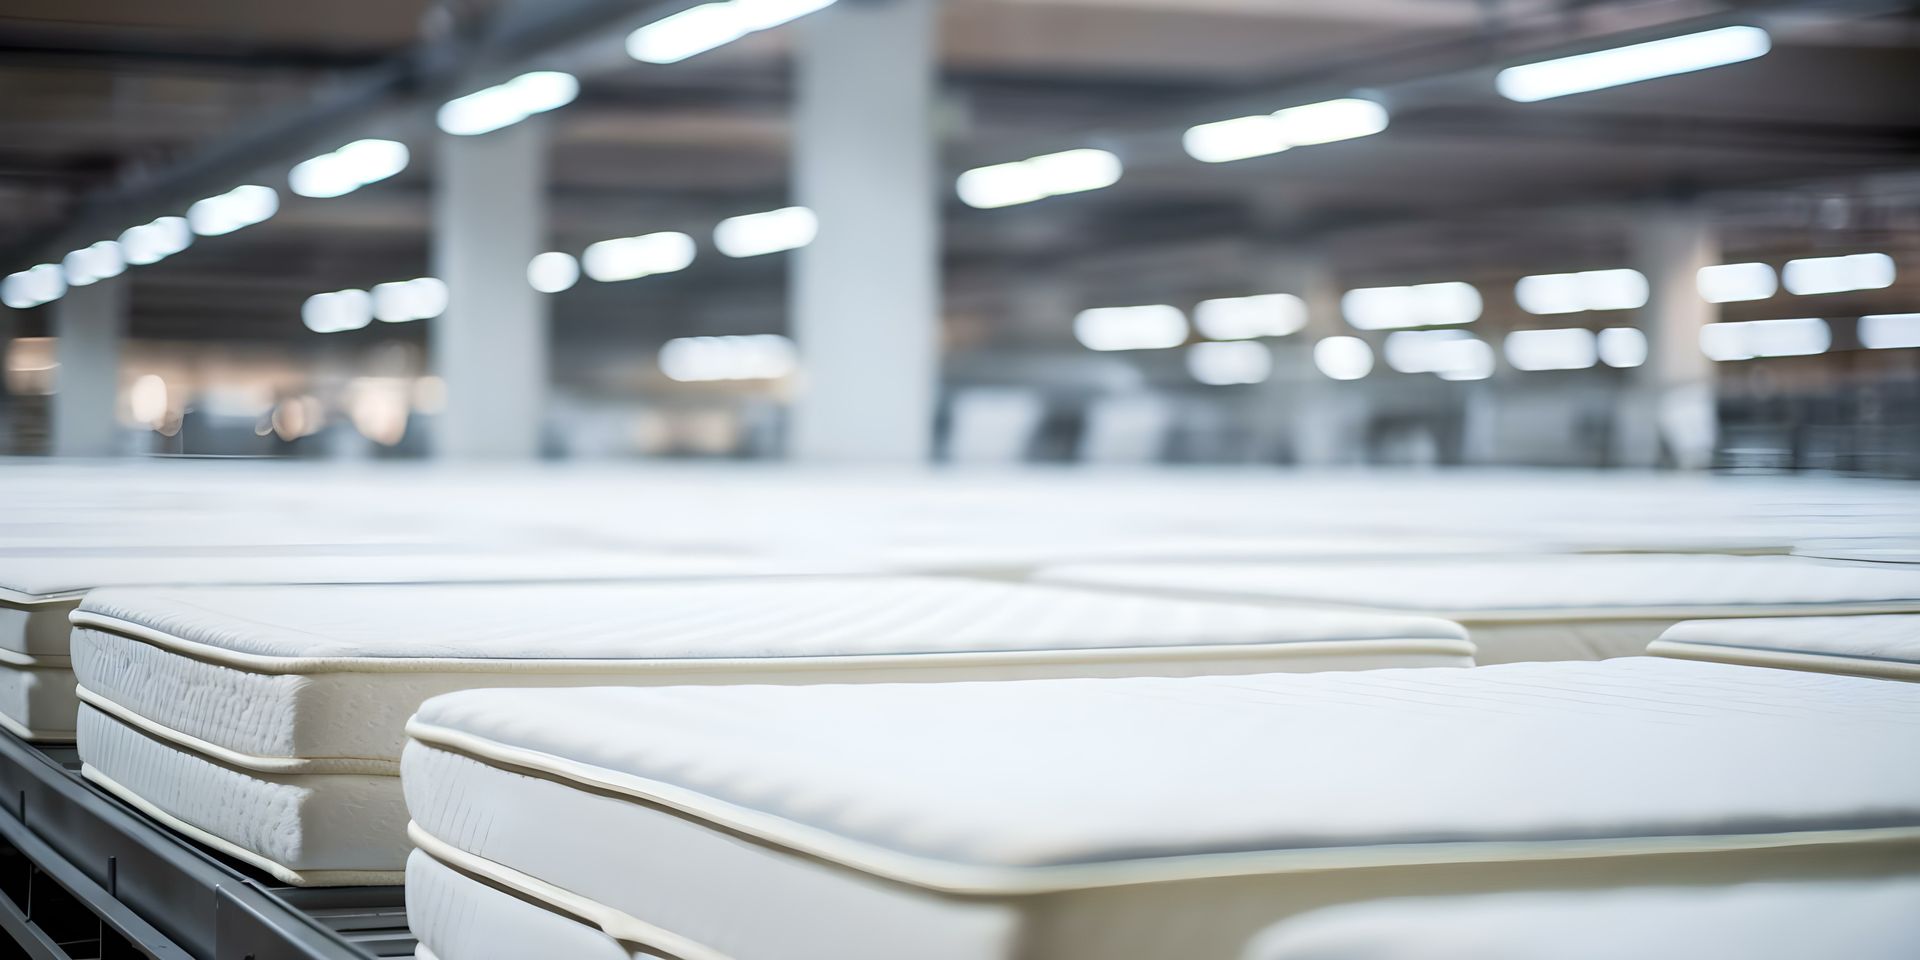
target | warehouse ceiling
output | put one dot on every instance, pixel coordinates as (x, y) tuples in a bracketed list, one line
[(1815, 146)]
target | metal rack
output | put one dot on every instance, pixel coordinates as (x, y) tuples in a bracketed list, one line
[(85, 877)]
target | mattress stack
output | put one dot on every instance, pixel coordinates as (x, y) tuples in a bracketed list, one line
[(1129, 818), (267, 722), (1540, 607)]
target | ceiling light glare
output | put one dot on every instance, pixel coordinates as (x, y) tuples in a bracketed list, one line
[(92, 263), (1423, 305), (156, 241), (1735, 282), (1573, 348), (696, 30), (1622, 347), (242, 206), (1632, 64), (506, 104), (1229, 363), (1037, 178), (1795, 337), (34, 286), (1552, 293), (405, 300), (766, 356), (1329, 121), (1889, 331), (1860, 271), (1155, 326), (553, 271), (1343, 358), (758, 234), (348, 168), (630, 258), (337, 312), (1244, 318), (1447, 354)]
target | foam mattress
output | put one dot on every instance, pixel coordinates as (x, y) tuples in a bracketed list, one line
[(39, 591), (1147, 817), (1881, 646), (264, 690), (1755, 921), (1539, 608)]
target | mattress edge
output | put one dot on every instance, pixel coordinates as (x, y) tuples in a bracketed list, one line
[(263, 663), (251, 762), (1001, 880), (1769, 657)]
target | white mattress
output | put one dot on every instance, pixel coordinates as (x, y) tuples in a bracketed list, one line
[(1753, 921), (1888, 550), (456, 916), (37, 700), (1881, 646), (1149, 817), (1538, 608), (302, 684)]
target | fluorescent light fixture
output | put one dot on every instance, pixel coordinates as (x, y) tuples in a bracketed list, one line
[(1422, 305), (757, 234), (156, 241), (1314, 123), (1796, 337), (96, 262), (1037, 178), (1343, 358), (1243, 318), (1229, 363), (1622, 347), (765, 356), (553, 271), (242, 206), (1155, 326), (1733, 282), (1551, 293), (1573, 348), (697, 30), (1632, 64), (338, 311), (506, 104), (404, 300), (1889, 331), (34, 286), (1861, 271), (1447, 354), (348, 168), (630, 258)]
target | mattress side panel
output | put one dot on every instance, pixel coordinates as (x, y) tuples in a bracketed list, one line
[(40, 699), (36, 630), (743, 899), (459, 918)]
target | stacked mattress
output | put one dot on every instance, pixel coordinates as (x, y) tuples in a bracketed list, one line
[(1883, 646), (268, 721), (1755, 921), (1539, 608), (1127, 818), (39, 591)]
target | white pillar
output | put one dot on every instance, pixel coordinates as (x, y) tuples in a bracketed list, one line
[(1668, 415), (88, 323), (489, 219), (1326, 419), (866, 292)]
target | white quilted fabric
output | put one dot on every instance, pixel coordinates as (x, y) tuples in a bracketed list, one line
[(1890, 637), (1091, 772)]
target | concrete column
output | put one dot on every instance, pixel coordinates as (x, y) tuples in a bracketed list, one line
[(489, 219), (866, 292), (89, 323), (1668, 415), (1325, 419)]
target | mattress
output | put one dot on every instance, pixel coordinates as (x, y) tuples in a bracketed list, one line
[(1753, 921), (296, 686), (1876, 646), (37, 699), (1888, 550), (1146, 817), (39, 591), (1538, 608)]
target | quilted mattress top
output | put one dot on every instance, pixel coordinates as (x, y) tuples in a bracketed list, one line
[(1072, 774)]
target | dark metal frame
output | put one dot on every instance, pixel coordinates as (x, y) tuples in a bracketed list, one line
[(82, 875)]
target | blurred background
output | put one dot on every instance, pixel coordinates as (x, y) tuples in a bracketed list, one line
[(1313, 232)]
